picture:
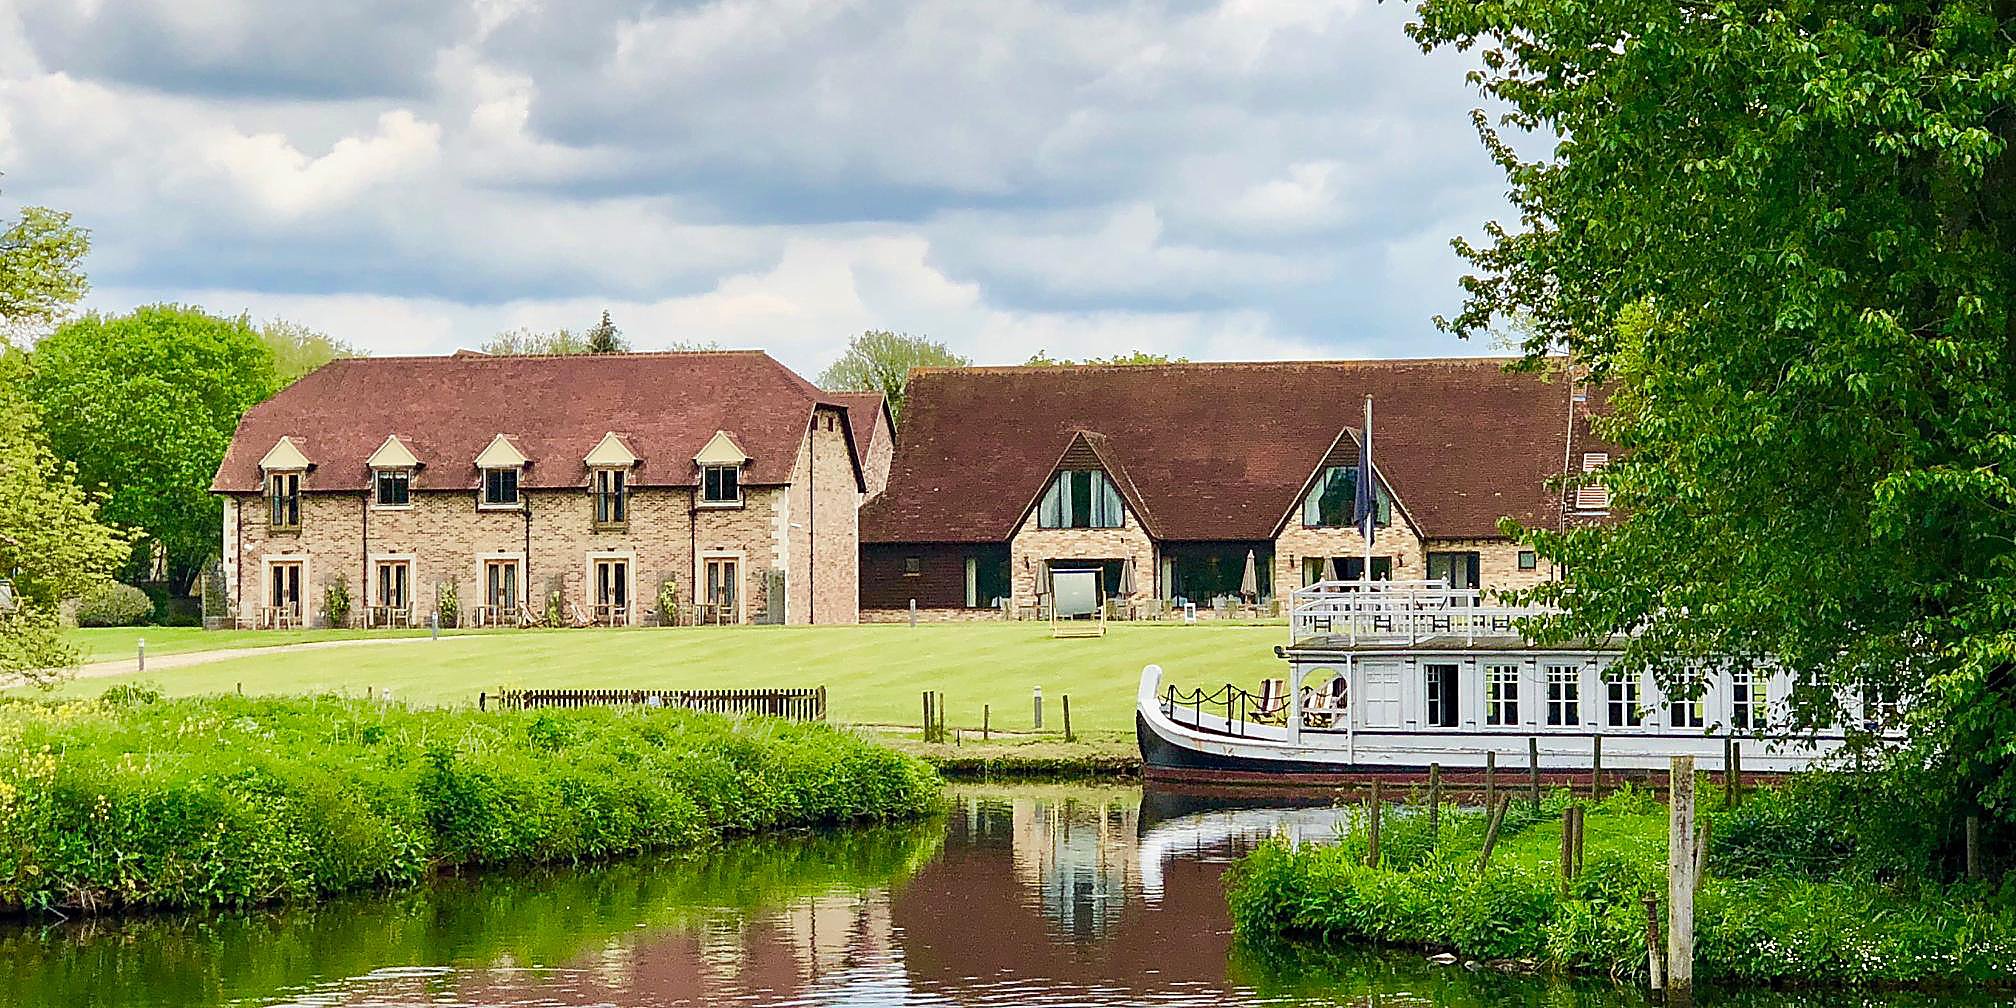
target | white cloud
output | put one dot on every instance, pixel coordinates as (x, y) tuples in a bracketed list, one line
[(283, 180)]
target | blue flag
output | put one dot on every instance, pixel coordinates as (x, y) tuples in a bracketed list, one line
[(1367, 502)]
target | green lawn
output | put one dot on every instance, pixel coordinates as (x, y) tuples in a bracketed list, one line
[(873, 674), (106, 643)]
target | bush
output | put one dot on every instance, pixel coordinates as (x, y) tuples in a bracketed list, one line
[(114, 605), (228, 801)]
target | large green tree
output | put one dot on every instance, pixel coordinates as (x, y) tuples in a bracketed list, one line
[(40, 272), (881, 361), (144, 404), (298, 349), (1784, 234), (1042, 358)]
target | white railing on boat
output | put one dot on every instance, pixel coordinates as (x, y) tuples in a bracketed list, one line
[(1398, 612)]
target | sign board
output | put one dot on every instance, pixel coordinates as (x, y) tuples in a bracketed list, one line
[(1077, 592)]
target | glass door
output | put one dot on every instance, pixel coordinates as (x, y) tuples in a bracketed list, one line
[(500, 586), (723, 583), (612, 591), (285, 592)]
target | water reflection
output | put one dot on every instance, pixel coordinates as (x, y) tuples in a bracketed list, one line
[(1039, 896)]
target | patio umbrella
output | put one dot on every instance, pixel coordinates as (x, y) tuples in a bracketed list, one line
[(1127, 579), (1331, 573), (1249, 582)]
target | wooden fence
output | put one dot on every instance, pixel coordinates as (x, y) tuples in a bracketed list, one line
[(792, 704)]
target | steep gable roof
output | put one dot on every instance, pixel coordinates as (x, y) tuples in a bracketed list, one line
[(1223, 451), (1090, 449), (448, 409), (867, 412)]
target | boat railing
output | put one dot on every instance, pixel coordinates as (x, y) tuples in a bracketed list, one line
[(1238, 706), (1399, 612)]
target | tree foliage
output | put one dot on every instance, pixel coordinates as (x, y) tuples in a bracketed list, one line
[(1042, 358), (526, 342), (144, 404), (40, 272), (881, 361), (604, 337), (1784, 234), (298, 349)]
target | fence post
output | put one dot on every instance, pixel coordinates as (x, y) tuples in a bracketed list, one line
[(986, 721), (1496, 819), (1654, 950), (1680, 865), (1729, 772), (1596, 770), (1533, 771), (1067, 717), (1490, 778), (1736, 751), (1434, 803), (483, 701), (1372, 826), (927, 716)]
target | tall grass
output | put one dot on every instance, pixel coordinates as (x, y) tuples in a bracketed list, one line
[(137, 802), (1812, 913)]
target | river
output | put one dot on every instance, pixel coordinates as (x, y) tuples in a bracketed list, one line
[(1035, 895)]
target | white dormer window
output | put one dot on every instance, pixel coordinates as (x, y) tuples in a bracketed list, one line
[(501, 463), (609, 467), (1591, 496), (721, 463), (392, 468), (283, 466)]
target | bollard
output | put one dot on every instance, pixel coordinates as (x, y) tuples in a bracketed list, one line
[(434, 625), (1067, 717), (143, 654), (986, 721), (1039, 706), (913, 612)]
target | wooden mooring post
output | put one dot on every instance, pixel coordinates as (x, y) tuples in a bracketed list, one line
[(1490, 779), (1496, 819), (1596, 769), (1533, 769), (986, 720), (1372, 826), (1655, 952), (1067, 717), (927, 715), (1434, 803), (1682, 864)]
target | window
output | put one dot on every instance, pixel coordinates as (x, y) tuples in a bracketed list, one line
[(721, 484), (283, 499), (1746, 707), (1589, 495), (1687, 707), (913, 566), (1080, 498), (1501, 697), (612, 591), (986, 579), (392, 584), (1529, 560), (612, 503), (1457, 570), (1441, 683), (500, 585), (1332, 502), (394, 487), (1880, 706), (1564, 695), (500, 488), (1620, 691)]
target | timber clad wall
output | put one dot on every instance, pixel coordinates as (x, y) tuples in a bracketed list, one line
[(939, 584)]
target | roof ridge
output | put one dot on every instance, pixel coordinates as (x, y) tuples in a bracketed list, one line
[(465, 354), (1219, 365)]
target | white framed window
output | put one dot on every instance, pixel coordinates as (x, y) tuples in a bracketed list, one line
[(392, 488), (1081, 498), (500, 488), (1441, 696), (1501, 695), (1620, 699), (1687, 707), (283, 500), (1564, 695), (1746, 700), (721, 485)]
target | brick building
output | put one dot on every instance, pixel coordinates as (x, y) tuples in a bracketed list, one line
[(1168, 476), (501, 487)]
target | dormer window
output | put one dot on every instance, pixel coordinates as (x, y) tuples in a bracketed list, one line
[(1333, 501), (1080, 498), (283, 501), (393, 487), (720, 465), (500, 488), (721, 484), (500, 465), (612, 503)]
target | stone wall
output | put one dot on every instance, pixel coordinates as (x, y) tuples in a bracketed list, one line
[(931, 615), (881, 453), (1295, 542), (1031, 546), (1497, 562)]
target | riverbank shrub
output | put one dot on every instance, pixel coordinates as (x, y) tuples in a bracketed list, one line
[(233, 801), (114, 605), (1809, 912)]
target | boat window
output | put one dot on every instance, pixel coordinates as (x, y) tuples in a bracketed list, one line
[(1564, 695), (1441, 696), (1621, 693), (1687, 707), (1501, 697), (1746, 706)]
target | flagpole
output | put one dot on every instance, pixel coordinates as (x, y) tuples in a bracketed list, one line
[(1372, 494)]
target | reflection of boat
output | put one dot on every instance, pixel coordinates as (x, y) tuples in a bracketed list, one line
[(1189, 836), (1426, 675)]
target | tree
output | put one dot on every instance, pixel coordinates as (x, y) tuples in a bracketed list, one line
[(52, 544), (1042, 358), (525, 342), (881, 361), (1784, 236), (39, 273), (298, 349), (604, 337), (144, 405)]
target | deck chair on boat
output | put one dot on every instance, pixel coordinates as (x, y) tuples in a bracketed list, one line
[(1273, 705)]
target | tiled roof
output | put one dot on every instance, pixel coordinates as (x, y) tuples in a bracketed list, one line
[(555, 409), (865, 413), (1223, 451)]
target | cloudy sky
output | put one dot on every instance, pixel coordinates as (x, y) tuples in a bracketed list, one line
[(1240, 179)]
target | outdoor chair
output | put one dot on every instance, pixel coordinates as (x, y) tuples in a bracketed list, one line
[(1273, 705)]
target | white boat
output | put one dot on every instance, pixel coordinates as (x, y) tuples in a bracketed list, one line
[(1386, 679)]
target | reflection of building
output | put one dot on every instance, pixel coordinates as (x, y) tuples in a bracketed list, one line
[(1078, 857)]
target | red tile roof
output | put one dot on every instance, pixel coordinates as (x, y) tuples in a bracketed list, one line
[(866, 411), (1223, 451), (556, 408)]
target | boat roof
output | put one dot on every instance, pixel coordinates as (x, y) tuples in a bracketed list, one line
[(1340, 644)]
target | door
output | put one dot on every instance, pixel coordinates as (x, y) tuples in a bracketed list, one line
[(1382, 697), (500, 585), (612, 590), (723, 587), (285, 591), (1354, 568), (392, 577)]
